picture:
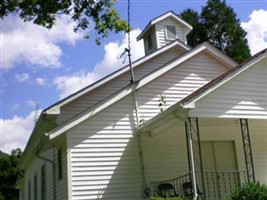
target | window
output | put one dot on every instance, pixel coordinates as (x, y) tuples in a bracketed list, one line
[(43, 183), (170, 32), (149, 41), (59, 162), (35, 185), (29, 190)]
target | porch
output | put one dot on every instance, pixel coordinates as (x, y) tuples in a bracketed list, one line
[(213, 155), (218, 184)]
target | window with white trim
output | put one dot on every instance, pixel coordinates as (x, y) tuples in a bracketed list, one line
[(170, 32), (29, 190), (35, 185), (43, 183), (149, 41), (59, 163)]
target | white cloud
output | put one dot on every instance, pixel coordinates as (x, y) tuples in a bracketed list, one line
[(256, 29), (72, 83), (22, 77), (24, 42), (40, 81), (31, 104), (15, 132), (16, 106)]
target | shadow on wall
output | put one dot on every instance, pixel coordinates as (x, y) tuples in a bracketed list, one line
[(104, 156)]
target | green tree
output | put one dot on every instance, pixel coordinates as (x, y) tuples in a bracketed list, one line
[(97, 14), (192, 17), (219, 25), (9, 175)]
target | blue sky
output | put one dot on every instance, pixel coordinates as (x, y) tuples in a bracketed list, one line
[(39, 67)]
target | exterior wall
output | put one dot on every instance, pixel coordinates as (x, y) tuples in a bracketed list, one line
[(242, 97), (104, 155), (161, 35), (62, 184), (153, 46), (165, 155), (35, 169), (104, 149), (111, 87), (258, 135), (177, 84)]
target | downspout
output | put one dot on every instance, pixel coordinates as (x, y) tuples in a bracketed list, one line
[(191, 159), (52, 162), (139, 140), (190, 154)]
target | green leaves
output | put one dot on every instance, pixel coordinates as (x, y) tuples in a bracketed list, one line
[(249, 191), (9, 174), (217, 24), (98, 15), (162, 102)]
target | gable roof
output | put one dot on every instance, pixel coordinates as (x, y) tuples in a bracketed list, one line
[(55, 108), (189, 101), (86, 114), (171, 14)]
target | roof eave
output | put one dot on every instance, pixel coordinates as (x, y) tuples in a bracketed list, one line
[(55, 108), (187, 26), (122, 93)]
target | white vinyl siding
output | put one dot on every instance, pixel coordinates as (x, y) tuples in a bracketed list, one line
[(111, 87), (150, 42), (61, 184), (165, 155), (245, 96), (104, 149), (35, 169), (105, 161), (162, 38), (177, 84), (259, 148)]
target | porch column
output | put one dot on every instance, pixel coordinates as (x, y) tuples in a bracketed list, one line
[(247, 150), (194, 154)]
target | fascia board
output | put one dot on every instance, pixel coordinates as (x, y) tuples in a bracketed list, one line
[(55, 109), (162, 17), (171, 14), (189, 103), (221, 56), (90, 112)]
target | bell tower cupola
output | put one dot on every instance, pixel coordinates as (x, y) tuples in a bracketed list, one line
[(163, 30)]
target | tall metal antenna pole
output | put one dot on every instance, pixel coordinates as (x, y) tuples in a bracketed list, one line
[(129, 43)]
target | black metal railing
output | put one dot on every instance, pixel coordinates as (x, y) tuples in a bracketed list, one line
[(219, 184), (177, 183)]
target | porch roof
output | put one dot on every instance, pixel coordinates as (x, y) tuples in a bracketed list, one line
[(164, 120), (190, 100), (180, 110)]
